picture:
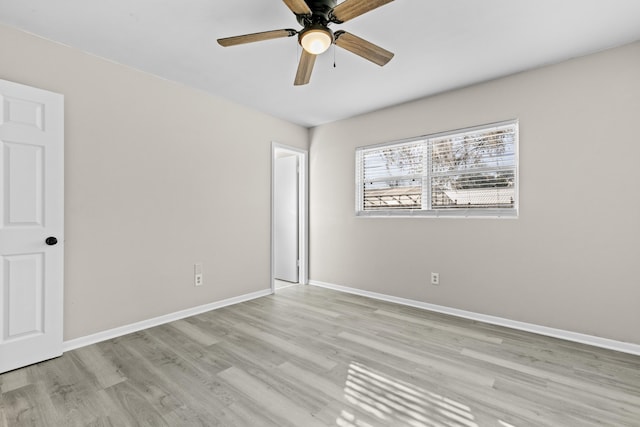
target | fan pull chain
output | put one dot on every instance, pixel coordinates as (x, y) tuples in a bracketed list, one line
[(334, 55)]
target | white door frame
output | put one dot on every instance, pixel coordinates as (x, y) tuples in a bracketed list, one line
[(303, 215)]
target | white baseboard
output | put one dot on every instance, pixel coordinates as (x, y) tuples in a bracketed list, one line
[(156, 321), (621, 346)]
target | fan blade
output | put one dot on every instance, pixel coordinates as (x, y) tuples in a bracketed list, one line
[(362, 48), (305, 67), (299, 7), (256, 37), (350, 9)]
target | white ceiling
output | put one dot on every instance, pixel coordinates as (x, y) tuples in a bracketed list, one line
[(439, 45)]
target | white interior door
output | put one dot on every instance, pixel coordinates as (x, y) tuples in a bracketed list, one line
[(31, 220), (286, 219)]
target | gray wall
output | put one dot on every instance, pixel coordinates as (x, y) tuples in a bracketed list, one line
[(570, 261), (158, 177)]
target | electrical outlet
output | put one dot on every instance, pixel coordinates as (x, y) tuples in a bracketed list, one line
[(197, 274), (435, 279)]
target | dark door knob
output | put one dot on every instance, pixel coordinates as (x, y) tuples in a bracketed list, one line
[(51, 241)]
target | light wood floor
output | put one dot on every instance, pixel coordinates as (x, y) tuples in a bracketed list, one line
[(313, 357)]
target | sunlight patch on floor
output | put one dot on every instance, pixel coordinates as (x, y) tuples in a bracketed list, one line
[(392, 400)]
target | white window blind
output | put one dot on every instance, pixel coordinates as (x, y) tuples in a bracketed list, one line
[(392, 177), (465, 172)]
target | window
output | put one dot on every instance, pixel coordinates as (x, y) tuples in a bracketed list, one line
[(468, 172)]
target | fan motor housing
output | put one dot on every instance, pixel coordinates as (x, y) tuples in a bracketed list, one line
[(321, 10)]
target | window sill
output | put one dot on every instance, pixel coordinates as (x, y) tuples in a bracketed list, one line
[(444, 213)]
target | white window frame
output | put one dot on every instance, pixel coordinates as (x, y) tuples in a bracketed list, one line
[(427, 210)]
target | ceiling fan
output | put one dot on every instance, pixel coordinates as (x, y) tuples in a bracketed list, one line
[(315, 37)]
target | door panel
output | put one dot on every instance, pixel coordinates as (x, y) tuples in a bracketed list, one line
[(23, 279), (286, 219), (31, 209), (24, 186)]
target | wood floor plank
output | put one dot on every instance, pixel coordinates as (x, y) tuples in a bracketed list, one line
[(195, 333), (449, 329), (269, 399), (288, 346), (105, 372), (29, 406), (308, 356), (14, 380), (137, 408), (567, 379)]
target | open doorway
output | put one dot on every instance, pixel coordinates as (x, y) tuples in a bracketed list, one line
[(289, 200)]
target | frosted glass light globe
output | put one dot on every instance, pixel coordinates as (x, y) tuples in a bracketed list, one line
[(316, 41)]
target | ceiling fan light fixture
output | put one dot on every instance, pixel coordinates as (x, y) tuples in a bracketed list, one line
[(316, 39)]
